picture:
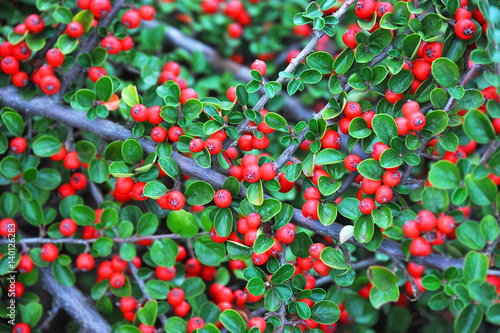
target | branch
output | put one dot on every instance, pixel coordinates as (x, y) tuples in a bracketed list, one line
[(74, 303), (289, 69), (133, 239), (142, 286), (89, 45), (293, 107), (491, 149), (49, 107)]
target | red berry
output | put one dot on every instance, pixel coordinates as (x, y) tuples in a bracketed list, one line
[(352, 110), (392, 97), (49, 252), (74, 29), (384, 194), (131, 19), (158, 134), (165, 273), (97, 72), (426, 220), (67, 227), (117, 280), (259, 66), (415, 270), (446, 224), (383, 7), (316, 249), (175, 297), (432, 51), (78, 181), (176, 200), (34, 24), (25, 265), (268, 171), (370, 186), (312, 193), (187, 94), (234, 30), (194, 323), (465, 29), (349, 38), (50, 84), (18, 145), (196, 145), (420, 247), (55, 57), (9, 65), (139, 112), (286, 234), (210, 6), (253, 220), (147, 12), (85, 262), (258, 322), (127, 43), (391, 178), (7, 227), (128, 304), (378, 149), (213, 145), (252, 173), (331, 139), (100, 8), (366, 205), (111, 44), (416, 121), (222, 198), (364, 9), (174, 133), (310, 209)]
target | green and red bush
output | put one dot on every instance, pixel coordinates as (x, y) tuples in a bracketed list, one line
[(146, 167)]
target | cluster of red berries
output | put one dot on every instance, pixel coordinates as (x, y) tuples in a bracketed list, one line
[(113, 270), (131, 19), (427, 230), (233, 9)]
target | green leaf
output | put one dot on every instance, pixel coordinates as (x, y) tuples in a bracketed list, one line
[(46, 146), (327, 213), (32, 212), (83, 215), (157, 289), (469, 234), (325, 312), (390, 159), (283, 274), (482, 192), (62, 15), (169, 166), (63, 274), (445, 175), (192, 109), (321, 61), (86, 151), (334, 258), (199, 193), (31, 313), (382, 278), (275, 121), (99, 170), (130, 96), (489, 228), (329, 156), (436, 121), (400, 82), (67, 44), (349, 207), (385, 127), (183, 223), (310, 76), (370, 168), (382, 216), (475, 266), (148, 224), (237, 251), (344, 61), (363, 229), (478, 127), (104, 88), (14, 122), (208, 252), (379, 297), (436, 200), (445, 72), (154, 189), (147, 313), (192, 287), (132, 151), (255, 193), (431, 282), (233, 322), (469, 319), (163, 252)]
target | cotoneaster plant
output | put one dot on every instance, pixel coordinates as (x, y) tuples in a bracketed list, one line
[(179, 186)]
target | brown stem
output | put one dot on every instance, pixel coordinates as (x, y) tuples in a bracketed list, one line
[(89, 45), (491, 149)]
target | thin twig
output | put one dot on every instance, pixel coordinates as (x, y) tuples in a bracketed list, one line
[(491, 149)]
